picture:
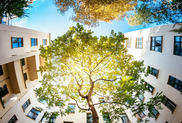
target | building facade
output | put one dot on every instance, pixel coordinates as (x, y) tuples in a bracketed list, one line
[(161, 51), (19, 62)]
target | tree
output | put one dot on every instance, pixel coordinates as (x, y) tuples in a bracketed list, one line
[(79, 66), (90, 12), (13, 7), (158, 11)]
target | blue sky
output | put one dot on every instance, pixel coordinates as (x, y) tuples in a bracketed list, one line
[(45, 17)]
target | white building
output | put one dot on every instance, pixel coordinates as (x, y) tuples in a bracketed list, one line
[(19, 62), (161, 51)]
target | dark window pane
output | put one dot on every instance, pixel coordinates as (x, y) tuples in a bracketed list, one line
[(176, 83), (168, 103), (33, 113), (156, 43), (124, 118), (13, 119), (3, 91), (71, 108), (89, 118), (155, 113), (1, 70), (25, 76), (177, 38), (26, 104), (33, 42), (22, 62), (17, 42)]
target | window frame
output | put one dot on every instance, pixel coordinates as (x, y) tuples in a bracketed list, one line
[(180, 45), (22, 62), (1, 70), (174, 83), (44, 42), (25, 77), (89, 118), (155, 43), (12, 119), (26, 104), (35, 41), (125, 116), (151, 72), (137, 43), (157, 115), (53, 117), (42, 117), (142, 100), (141, 114), (72, 108), (16, 42), (128, 40), (4, 91), (35, 114), (147, 86), (169, 102)]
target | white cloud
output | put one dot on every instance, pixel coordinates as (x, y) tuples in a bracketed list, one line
[(20, 22)]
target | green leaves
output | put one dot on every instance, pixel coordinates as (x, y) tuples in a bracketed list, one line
[(13, 7), (80, 66)]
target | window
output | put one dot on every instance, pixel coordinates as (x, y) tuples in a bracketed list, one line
[(124, 118), (16, 42), (106, 118), (42, 117), (26, 104), (128, 43), (156, 44), (22, 62), (176, 83), (1, 70), (150, 87), (44, 41), (178, 45), (52, 119), (155, 113), (139, 43), (141, 98), (153, 71), (168, 103), (101, 100), (34, 42), (42, 101), (33, 113), (25, 77), (71, 108), (140, 115), (13, 119), (89, 118), (3, 91)]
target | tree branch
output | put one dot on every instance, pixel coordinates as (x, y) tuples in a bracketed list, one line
[(100, 62), (106, 80), (77, 103), (72, 74)]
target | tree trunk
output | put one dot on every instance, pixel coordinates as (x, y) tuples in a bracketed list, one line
[(95, 116)]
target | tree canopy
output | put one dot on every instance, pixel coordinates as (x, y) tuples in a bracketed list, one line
[(158, 11), (90, 12), (13, 7), (80, 66)]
